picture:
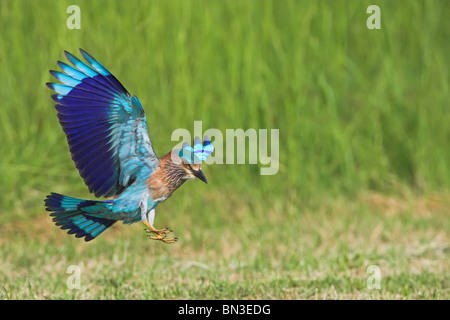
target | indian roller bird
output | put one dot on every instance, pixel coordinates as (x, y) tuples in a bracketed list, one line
[(108, 138)]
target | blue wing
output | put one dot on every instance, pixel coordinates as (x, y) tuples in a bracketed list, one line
[(105, 126)]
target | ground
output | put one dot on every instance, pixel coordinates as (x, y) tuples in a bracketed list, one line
[(284, 252)]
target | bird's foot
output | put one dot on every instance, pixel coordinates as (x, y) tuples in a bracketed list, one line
[(164, 239), (159, 234)]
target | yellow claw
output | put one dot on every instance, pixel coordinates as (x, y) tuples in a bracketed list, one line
[(159, 234)]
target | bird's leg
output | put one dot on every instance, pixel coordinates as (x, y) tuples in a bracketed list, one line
[(148, 220), (159, 234)]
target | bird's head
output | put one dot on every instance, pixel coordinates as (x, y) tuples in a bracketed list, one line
[(193, 171), (190, 159)]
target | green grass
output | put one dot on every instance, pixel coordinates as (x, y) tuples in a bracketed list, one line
[(320, 253), (364, 149)]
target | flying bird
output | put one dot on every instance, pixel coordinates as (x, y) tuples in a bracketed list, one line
[(108, 138)]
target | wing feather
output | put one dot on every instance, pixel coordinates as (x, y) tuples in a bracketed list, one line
[(105, 126)]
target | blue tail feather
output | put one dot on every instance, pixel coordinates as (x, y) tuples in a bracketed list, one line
[(68, 214)]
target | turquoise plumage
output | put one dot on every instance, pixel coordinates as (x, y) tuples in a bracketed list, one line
[(108, 139)]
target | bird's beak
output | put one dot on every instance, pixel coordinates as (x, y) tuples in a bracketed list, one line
[(199, 174)]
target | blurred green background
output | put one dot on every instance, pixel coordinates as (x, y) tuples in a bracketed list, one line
[(363, 117)]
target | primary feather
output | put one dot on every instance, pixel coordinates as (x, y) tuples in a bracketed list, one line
[(106, 127)]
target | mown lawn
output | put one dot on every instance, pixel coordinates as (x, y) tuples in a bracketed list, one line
[(290, 253)]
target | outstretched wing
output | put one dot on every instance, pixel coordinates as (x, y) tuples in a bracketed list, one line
[(105, 126)]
